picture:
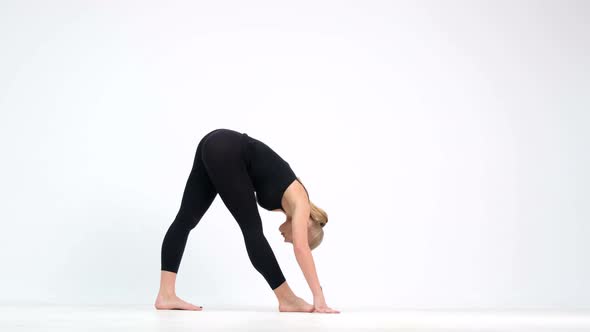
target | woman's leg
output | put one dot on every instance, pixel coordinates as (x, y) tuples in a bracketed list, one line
[(227, 170), (198, 195)]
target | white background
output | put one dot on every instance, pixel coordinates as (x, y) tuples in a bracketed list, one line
[(448, 142)]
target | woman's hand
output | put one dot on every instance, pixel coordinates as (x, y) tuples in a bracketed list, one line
[(320, 306)]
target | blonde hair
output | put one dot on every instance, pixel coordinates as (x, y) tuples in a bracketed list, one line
[(319, 219)]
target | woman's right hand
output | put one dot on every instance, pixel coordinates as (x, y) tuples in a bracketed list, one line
[(320, 306)]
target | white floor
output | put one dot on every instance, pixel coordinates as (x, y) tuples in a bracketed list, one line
[(146, 318)]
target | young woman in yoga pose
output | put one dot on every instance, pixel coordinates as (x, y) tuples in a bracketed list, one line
[(244, 171)]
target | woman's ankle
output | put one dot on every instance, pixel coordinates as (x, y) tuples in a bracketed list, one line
[(167, 284), (284, 293), (166, 294)]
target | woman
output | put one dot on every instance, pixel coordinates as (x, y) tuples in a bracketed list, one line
[(244, 171)]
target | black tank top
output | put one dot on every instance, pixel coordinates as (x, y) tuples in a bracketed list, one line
[(269, 172)]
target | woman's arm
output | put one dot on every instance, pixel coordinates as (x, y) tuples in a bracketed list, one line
[(301, 248), (305, 258)]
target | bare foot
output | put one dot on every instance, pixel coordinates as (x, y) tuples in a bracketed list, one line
[(174, 303), (296, 304)]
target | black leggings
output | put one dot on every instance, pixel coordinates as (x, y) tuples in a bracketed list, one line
[(220, 167)]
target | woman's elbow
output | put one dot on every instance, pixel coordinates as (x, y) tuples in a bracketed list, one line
[(301, 248)]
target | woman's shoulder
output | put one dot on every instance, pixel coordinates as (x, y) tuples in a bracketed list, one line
[(295, 195)]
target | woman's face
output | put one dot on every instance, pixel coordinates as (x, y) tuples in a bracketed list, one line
[(285, 230)]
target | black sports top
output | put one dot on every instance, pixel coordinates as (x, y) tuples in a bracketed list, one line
[(270, 174)]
